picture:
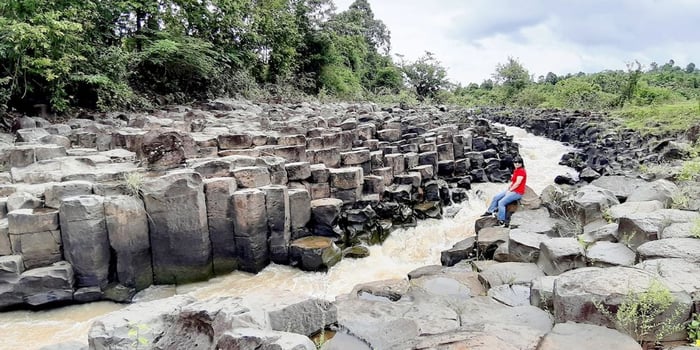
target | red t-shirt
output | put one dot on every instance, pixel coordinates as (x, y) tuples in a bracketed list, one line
[(519, 172)]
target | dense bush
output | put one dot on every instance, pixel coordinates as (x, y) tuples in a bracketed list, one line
[(179, 68)]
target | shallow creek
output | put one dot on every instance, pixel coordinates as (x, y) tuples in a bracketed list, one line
[(403, 251)]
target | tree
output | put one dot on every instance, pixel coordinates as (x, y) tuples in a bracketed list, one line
[(630, 86), (690, 68), (551, 78), (487, 84), (359, 20), (512, 76), (426, 75)]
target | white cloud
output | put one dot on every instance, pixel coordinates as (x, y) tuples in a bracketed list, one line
[(471, 37)]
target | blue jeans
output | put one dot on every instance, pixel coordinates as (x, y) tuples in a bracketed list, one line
[(500, 201)]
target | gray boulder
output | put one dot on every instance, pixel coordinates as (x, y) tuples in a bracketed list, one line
[(620, 186), (682, 248), (590, 202), (149, 320), (684, 273), (558, 255), (314, 253), (510, 273), (251, 338), (524, 246), (660, 190), (580, 336), (606, 254), (577, 292), (22, 200)]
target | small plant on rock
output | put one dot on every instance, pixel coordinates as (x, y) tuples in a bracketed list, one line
[(134, 184), (640, 314), (135, 333), (694, 330), (695, 230)]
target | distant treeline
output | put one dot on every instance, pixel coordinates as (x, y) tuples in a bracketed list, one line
[(126, 54), (513, 85)]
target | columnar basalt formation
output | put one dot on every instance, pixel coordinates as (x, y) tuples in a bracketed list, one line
[(604, 147), (124, 201)]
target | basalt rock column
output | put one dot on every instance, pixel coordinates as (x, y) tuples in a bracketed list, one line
[(34, 234), (127, 226), (278, 221), (85, 239), (180, 241), (251, 229), (219, 212)]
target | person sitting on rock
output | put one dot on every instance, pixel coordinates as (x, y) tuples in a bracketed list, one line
[(515, 191)]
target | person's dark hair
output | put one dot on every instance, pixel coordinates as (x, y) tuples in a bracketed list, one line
[(517, 159)]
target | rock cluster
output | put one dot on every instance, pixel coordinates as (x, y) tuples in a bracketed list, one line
[(603, 147), (587, 250), (104, 206)]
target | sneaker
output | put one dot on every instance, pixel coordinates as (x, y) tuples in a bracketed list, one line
[(486, 214), (503, 223)]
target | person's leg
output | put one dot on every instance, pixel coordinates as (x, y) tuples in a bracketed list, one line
[(494, 201), (505, 200)]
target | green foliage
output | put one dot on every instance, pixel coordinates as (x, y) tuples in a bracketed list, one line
[(178, 67), (339, 80), (39, 50), (694, 329), (512, 76), (134, 333), (690, 170), (533, 96), (640, 315), (578, 93), (660, 118), (133, 182), (695, 230), (426, 75)]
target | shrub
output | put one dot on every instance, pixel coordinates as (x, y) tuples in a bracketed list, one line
[(640, 314), (179, 69)]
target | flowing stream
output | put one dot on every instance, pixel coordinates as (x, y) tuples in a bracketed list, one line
[(403, 251)]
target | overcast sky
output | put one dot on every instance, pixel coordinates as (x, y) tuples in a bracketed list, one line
[(470, 37)]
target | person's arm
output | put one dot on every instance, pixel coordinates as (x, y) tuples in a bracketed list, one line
[(515, 183)]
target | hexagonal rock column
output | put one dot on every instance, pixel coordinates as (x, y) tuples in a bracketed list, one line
[(180, 241), (218, 193), (250, 229), (278, 221), (85, 239), (127, 227), (346, 184), (300, 211), (34, 235), (314, 253), (324, 215)]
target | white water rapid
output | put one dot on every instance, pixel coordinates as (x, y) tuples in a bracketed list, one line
[(403, 251)]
